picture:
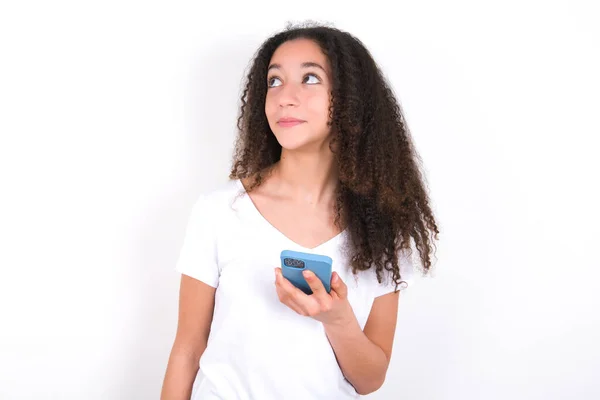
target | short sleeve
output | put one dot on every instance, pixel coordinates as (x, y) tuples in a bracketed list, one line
[(387, 285), (198, 256)]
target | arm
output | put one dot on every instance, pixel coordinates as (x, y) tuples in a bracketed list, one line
[(196, 305), (364, 356)]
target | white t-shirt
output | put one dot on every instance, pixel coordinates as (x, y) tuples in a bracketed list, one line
[(258, 348)]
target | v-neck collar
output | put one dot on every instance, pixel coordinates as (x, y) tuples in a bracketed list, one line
[(261, 218)]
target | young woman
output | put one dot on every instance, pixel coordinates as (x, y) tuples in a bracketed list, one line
[(324, 164)]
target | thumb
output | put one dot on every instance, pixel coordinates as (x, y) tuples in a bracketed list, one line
[(338, 285)]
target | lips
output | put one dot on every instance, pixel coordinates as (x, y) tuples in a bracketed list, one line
[(288, 122)]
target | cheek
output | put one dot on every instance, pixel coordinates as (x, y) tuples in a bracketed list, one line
[(319, 106), (270, 106)]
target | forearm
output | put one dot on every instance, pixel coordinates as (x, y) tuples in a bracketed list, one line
[(179, 377), (362, 362)]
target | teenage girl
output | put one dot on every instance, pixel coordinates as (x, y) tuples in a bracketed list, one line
[(324, 164)]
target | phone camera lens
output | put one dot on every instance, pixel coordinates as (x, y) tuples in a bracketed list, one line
[(290, 262)]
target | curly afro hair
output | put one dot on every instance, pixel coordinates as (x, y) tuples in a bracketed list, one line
[(381, 196)]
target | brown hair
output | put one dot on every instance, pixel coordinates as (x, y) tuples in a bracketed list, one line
[(381, 196)]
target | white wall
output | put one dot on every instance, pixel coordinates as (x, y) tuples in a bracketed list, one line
[(115, 115)]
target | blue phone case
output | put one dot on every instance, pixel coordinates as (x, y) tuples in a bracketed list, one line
[(293, 263)]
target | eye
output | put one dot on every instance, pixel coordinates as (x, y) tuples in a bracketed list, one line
[(270, 81), (315, 80)]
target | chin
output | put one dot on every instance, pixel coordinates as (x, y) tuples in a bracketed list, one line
[(297, 142), (294, 143), (292, 139)]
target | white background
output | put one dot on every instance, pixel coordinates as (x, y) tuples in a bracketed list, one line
[(115, 115)]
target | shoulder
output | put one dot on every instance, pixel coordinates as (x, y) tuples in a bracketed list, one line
[(222, 195), (218, 201)]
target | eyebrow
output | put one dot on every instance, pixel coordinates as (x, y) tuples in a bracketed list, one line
[(307, 64)]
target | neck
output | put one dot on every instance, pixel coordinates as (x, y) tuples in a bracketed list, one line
[(308, 177)]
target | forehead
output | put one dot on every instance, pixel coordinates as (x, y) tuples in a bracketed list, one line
[(293, 53)]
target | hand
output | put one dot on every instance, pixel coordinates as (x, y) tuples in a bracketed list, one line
[(329, 308)]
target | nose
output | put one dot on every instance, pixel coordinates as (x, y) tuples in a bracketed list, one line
[(288, 95)]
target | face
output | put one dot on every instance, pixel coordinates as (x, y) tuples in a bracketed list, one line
[(298, 95)]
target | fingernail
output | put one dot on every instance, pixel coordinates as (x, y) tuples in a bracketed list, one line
[(307, 274)]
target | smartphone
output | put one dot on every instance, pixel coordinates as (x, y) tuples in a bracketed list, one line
[(293, 263)]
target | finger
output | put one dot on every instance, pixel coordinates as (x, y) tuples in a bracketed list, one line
[(295, 293), (315, 284), (284, 298), (289, 289), (296, 307), (338, 286)]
